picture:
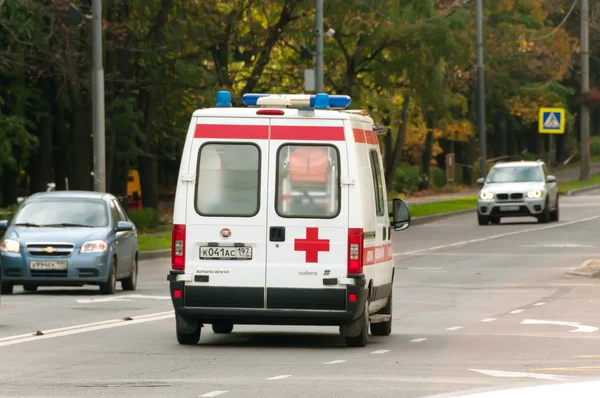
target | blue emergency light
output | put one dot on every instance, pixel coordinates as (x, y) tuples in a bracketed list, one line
[(319, 101), (223, 99)]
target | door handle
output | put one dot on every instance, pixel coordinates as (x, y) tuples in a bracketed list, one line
[(277, 234)]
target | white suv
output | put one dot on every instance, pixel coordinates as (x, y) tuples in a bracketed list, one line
[(517, 189)]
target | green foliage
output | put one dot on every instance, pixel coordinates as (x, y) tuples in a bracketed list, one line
[(15, 142), (145, 220), (407, 180)]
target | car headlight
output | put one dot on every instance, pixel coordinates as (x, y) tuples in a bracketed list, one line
[(10, 246), (486, 195), (535, 194), (94, 246)]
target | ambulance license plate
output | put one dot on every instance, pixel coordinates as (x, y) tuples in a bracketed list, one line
[(225, 253)]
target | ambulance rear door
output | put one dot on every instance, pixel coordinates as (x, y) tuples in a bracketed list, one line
[(307, 234), (226, 213)]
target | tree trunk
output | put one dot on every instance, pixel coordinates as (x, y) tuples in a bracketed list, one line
[(427, 149), (81, 166), (8, 187), (399, 145), (61, 139), (147, 161), (40, 164)]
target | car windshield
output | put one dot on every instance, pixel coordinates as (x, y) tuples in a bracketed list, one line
[(63, 212), (515, 174)]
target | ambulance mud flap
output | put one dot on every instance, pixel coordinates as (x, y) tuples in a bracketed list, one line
[(185, 325), (354, 327)]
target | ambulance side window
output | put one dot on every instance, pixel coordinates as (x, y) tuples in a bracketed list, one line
[(228, 180), (377, 184), (308, 181)]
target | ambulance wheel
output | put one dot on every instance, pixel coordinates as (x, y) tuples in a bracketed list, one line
[(363, 337), (383, 328), (222, 328), (189, 338)]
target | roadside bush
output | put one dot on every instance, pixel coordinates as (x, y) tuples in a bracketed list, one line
[(407, 180), (144, 220), (595, 146), (438, 178)]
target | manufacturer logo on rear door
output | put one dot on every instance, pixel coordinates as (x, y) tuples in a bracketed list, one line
[(225, 233)]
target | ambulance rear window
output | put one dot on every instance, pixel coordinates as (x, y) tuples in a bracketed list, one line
[(308, 181), (228, 182)]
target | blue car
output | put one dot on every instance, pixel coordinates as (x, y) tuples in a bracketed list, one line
[(69, 238)]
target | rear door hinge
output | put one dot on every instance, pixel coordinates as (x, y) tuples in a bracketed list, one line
[(188, 178)]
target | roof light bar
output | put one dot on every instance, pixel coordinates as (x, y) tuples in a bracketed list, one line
[(223, 99), (319, 101)]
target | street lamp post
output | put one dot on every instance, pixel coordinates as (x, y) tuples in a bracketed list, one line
[(481, 92), (319, 32), (98, 99)]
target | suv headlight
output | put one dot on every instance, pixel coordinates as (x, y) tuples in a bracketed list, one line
[(94, 246), (535, 194), (10, 246), (486, 195)]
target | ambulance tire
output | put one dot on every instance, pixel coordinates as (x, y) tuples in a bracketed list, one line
[(363, 338), (222, 328), (383, 328), (189, 338)]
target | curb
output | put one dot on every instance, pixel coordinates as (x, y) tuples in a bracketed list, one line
[(576, 192), (590, 269), (438, 217), (154, 254)]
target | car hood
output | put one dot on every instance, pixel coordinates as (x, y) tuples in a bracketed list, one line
[(508, 187), (74, 235)]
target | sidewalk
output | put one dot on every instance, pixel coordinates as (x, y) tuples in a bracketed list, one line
[(565, 174)]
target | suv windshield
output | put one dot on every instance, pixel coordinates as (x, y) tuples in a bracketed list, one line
[(63, 212), (515, 174)]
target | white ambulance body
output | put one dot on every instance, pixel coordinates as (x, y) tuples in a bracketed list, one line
[(281, 218)]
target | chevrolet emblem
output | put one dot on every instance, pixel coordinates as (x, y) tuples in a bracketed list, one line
[(49, 250)]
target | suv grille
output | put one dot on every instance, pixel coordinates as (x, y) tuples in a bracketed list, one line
[(503, 196), (50, 249), (516, 196)]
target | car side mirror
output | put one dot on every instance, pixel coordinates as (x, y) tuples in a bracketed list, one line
[(551, 179), (480, 181), (401, 215), (123, 226)]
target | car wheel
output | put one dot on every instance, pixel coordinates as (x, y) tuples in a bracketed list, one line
[(30, 288), (7, 288), (554, 215), (495, 220), (384, 328), (483, 220), (130, 283), (189, 338), (544, 216), (363, 338), (222, 328), (110, 286)]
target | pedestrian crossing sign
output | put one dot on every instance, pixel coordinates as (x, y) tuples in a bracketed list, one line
[(552, 121)]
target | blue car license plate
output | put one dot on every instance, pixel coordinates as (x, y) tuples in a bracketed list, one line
[(47, 265)]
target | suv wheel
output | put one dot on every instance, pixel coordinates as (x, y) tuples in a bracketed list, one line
[(483, 220), (554, 213), (544, 216)]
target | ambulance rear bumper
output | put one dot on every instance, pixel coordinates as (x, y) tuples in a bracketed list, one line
[(285, 306)]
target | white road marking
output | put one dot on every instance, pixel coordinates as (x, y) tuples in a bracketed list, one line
[(488, 320), (502, 373), (121, 298), (454, 328), (279, 377), (418, 340), (539, 304), (334, 362), (579, 327), (380, 351), (492, 237), (561, 245), (89, 327), (516, 311), (214, 393)]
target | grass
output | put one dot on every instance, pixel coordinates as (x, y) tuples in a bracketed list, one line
[(446, 206), (154, 242), (564, 187)]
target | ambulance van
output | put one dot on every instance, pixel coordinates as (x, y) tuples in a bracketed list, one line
[(281, 218)]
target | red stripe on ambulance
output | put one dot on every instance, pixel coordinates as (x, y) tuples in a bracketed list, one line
[(232, 131), (307, 133)]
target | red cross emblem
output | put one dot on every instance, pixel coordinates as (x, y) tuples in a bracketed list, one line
[(312, 245)]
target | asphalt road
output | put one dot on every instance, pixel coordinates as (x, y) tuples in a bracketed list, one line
[(473, 309)]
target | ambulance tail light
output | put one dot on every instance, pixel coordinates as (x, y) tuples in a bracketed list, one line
[(178, 247), (355, 250)]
